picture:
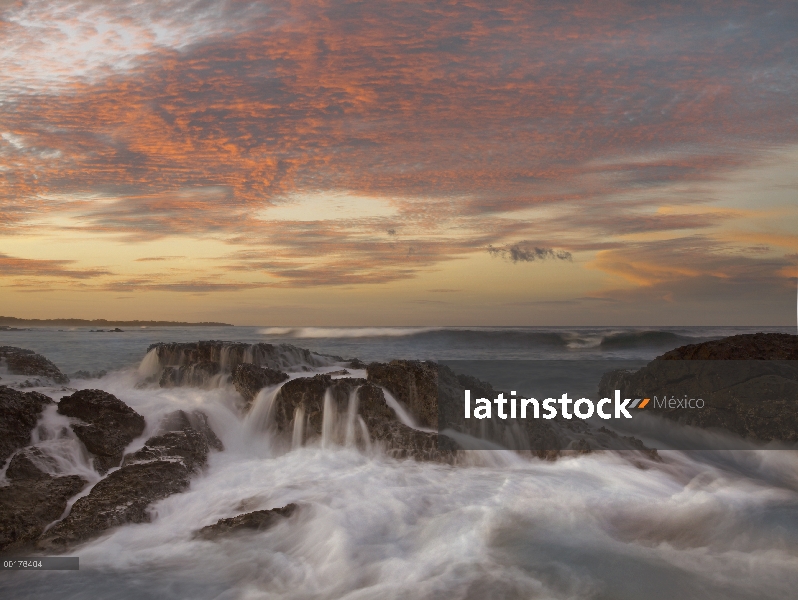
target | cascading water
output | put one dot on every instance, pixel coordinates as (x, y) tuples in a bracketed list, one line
[(351, 418), (298, 433), (329, 419)]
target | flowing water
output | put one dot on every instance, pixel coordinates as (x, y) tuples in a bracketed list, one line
[(720, 524)]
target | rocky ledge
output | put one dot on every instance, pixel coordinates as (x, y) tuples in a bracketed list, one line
[(19, 413), (249, 379), (163, 467), (109, 425), (26, 362), (256, 521), (32, 499), (748, 385)]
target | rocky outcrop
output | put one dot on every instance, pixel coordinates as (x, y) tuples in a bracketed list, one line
[(754, 346), (196, 375), (748, 385), (33, 499), (19, 413), (305, 398), (26, 362), (249, 380), (109, 425), (163, 467), (413, 383), (228, 355), (258, 520)]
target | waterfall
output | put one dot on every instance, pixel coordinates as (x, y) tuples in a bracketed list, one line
[(150, 364), (351, 417), (299, 428), (259, 416), (328, 420)]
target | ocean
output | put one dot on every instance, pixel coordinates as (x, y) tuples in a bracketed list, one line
[(605, 525)]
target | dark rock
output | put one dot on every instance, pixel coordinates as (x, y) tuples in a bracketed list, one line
[(184, 436), (306, 396), (228, 355), (249, 380), (756, 346), (33, 499), (196, 375), (19, 413), (163, 467), (27, 362), (23, 465), (338, 373), (356, 363), (87, 375), (258, 520), (749, 385), (110, 425), (120, 498), (413, 383)]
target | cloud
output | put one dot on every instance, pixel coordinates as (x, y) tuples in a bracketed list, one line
[(196, 286), (523, 252), (157, 258), (146, 120), (13, 266)]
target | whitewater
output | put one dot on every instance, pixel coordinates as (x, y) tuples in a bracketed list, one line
[(606, 525)]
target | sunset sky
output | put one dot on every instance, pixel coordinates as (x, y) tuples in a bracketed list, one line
[(395, 163)]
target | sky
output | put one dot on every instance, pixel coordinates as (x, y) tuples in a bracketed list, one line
[(300, 162)]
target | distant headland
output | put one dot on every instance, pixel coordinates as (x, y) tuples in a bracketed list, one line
[(15, 322)]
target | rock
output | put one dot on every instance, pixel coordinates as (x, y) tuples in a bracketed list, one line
[(258, 520), (338, 373), (25, 464), (163, 467), (306, 396), (756, 346), (110, 425), (356, 363), (249, 380), (228, 355), (88, 375), (196, 375), (19, 413), (748, 383), (413, 383), (32, 500), (27, 362), (184, 436)]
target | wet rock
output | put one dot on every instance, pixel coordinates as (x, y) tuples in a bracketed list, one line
[(413, 383), (196, 375), (89, 375), (228, 355), (306, 396), (338, 373), (19, 413), (163, 467), (110, 425), (748, 384), (32, 500), (27, 362), (258, 520), (356, 363), (249, 379), (25, 464), (753, 346), (184, 436)]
